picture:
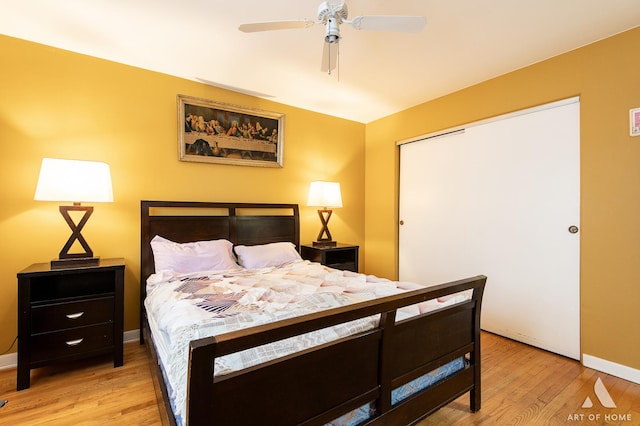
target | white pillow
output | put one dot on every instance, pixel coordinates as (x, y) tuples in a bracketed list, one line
[(262, 256), (196, 256)]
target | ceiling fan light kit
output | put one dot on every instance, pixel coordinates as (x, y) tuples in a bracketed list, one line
[(332, 33), (333, 13)]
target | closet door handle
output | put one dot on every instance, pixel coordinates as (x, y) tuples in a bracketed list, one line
[(75, 316), (573, 229)]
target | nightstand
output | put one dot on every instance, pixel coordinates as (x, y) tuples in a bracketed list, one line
[(66, 314), (341, 256)]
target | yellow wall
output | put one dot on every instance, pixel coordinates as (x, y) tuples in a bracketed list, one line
[(64, 105), (60, 104), (605, 76)]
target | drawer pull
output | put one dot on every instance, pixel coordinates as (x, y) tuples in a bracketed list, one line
[(75, 316), (74, 342)]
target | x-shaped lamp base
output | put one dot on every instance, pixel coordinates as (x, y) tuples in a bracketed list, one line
[(324, 237), (85, 258)]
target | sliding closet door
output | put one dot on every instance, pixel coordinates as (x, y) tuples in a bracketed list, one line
[(501, 198)]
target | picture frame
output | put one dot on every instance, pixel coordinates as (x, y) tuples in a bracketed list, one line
[(634, 122), (216, 132)]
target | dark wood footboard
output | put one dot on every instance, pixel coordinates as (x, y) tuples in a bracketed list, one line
[(322, 383)]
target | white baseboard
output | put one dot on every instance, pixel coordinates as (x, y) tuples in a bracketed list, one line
[(618, 370), (8, 361), (11, 360), (132, 335)]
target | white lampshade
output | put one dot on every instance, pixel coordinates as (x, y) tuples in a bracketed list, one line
[(74, 181), (324, 194)]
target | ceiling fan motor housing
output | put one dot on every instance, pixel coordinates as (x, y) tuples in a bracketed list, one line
[(332, 9), (332, 14)]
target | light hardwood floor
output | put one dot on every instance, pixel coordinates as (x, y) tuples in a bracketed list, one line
[(89, 392), (521, 386)]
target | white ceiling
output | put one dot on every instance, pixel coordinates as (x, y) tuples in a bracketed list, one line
[(465, 42)]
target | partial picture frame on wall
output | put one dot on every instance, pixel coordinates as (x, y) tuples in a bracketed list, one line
[(215, 132)]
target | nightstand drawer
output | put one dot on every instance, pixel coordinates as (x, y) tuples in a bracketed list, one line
[(60, 316), (71, 342)]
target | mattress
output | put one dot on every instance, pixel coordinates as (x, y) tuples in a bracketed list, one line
[(185, 307)]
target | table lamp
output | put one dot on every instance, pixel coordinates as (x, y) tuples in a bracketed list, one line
[(326, 195), (74, 181)]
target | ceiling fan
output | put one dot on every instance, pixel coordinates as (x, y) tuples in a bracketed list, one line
[(331, 14)]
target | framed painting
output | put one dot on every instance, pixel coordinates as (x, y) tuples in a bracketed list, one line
[(214, 132)]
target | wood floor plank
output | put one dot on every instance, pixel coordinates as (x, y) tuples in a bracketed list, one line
[(522, 386), (90, 392)]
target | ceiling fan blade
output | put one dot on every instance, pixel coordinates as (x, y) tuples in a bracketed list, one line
[(406, 24), (329, 57), (275, 25)]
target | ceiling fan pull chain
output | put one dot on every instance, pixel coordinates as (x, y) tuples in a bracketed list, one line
[(338, 61)]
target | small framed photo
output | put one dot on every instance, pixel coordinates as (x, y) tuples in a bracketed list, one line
[(214, 132), (634, 119)]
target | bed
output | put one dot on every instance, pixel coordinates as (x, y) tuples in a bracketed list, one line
[(395, 371)]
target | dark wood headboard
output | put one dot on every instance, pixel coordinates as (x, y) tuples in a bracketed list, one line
[(240, 223)]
